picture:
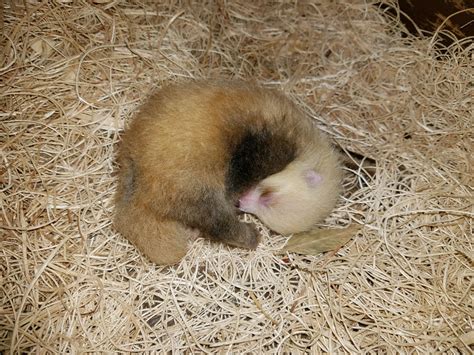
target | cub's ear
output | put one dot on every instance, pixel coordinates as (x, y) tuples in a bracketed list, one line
[(312, 178)]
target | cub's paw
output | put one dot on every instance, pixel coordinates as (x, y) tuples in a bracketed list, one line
[(250, 236)]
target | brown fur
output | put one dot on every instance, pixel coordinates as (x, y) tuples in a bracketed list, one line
[(185, 159)]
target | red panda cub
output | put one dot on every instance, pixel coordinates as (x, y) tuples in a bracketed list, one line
[(196, 151)]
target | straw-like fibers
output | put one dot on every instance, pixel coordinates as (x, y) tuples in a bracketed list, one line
[(73, 72)]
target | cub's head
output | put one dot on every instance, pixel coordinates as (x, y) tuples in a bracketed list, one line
[(292, 200)]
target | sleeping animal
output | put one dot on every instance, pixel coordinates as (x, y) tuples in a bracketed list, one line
[(197, 152)]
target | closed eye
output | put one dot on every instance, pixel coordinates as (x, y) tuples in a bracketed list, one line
[(267, 196)]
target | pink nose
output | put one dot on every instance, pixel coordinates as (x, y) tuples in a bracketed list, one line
[(248, 201)]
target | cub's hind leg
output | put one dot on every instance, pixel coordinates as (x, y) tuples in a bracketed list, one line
[(164, 242)]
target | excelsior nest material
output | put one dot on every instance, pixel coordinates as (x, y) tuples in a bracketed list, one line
[(72, 72)]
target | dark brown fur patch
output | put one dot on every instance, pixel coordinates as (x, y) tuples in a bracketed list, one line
[(259, 154)]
